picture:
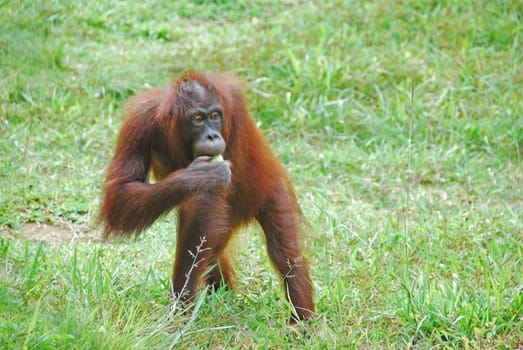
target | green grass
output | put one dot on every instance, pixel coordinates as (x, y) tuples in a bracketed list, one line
[(401, 124)]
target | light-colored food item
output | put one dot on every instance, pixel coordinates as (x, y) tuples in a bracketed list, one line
[(217, 159)]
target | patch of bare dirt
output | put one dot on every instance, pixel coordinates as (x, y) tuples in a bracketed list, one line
[(63, 233)]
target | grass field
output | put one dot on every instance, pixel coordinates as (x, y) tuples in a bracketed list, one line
[(401, 125)]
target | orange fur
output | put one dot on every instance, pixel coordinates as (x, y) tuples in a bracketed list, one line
[(152, 140)]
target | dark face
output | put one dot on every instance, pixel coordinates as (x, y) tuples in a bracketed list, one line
[(205, 118)]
